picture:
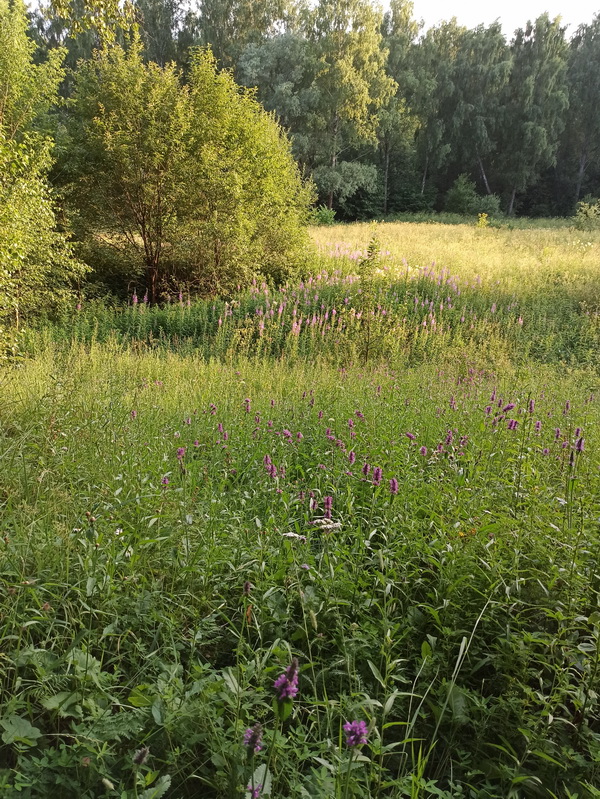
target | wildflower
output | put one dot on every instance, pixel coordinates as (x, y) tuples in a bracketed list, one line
[(196, 443), (580, 444), (508, 407), (296, 536), (220, 427), (165, 481), (449, 437), (141, 756), (328, 504), (531, 406), (133, 414), (423, 451), (410, 436), (247, 588), (557, 434), (299, 436), (356, 733), (247, 405), (253, 738), (351, 457), (366, 469), (545, 451), (305, 566), (393, 486), (567, 408), (377, 475), (254, 792), (512, 424), (286, 684), (538, 426), (180, 453)]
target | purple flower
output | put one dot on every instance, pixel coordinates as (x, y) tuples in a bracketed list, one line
[(538, 426), (423, 451), (180, 453), (410, 436), (512, 424), (377, 475), (356, 733), (253, 738), (305, 566), (508, 407), (580, 444), (557, 434), (545, 451), (366, 469), (286, 684), (254, 792), (328, 504), (531, 405), (165, 481), (299, 436), (196, 443), (133, 414), (393, 486), (351, 457)]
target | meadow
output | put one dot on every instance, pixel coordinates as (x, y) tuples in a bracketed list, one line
[(337, 539)]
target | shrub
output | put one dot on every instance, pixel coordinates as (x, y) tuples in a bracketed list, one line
[(462, 198), (190, 184)]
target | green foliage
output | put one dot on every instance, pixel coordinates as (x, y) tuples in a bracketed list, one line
[(36, 266), (463, 198), (587, 215), (322, 215), (194, 185)]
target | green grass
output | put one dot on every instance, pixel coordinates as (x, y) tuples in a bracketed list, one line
[(158, 574)]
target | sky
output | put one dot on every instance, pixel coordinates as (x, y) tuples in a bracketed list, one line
[(512, 14)]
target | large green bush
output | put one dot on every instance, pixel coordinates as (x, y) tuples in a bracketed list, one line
[(190, 184)]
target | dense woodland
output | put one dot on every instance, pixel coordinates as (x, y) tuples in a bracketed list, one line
[(384, 115)]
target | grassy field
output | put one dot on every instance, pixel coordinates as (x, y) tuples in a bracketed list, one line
[(373, 532)]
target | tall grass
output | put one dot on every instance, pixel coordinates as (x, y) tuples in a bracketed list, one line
[(186, 508)]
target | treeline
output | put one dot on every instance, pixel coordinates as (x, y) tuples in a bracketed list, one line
[(386, 117)]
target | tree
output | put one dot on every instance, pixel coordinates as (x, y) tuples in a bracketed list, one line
[(584, 99), (481, 72), (535, 103), (188, 183), (229, 25), (36, 266), (430, 94), (350, 86)]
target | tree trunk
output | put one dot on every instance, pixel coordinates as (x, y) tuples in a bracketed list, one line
[(424, 174), (580, 173), (152, 271), (386, 172), (334, 156), (511, 205), (483, 175)]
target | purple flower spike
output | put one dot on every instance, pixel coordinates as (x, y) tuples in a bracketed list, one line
[(254, 792), (393, 486), (411, 436), (508, 407), (180, 453), (423, 451), (357, 733), (377, 475), (580, 444), (253, 738), (286, 684)]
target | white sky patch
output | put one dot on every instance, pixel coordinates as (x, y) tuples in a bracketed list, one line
[(512, 14)]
